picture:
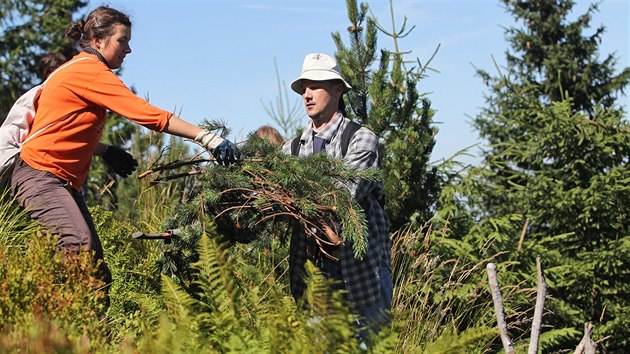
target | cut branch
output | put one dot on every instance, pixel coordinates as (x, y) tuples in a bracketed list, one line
[(523, 233), (177, 164), (245, 197), (176, 176), (538, 310), (586, 346), (606, 127), (498, 308), (173, 165)]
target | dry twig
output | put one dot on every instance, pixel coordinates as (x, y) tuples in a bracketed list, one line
[(538, 310), (586, 346), (498, 308)]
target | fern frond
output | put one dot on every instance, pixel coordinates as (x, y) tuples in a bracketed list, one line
[(180, 304), (331, 326), (215, 276), (472, 340), (552, 338)]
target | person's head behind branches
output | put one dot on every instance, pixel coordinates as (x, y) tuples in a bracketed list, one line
[(270, 133), (48, 63)]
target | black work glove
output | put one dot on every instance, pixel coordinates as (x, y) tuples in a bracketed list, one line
[(226, 153), (120, 161)]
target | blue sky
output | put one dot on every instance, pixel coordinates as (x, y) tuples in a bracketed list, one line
[(215, 59)]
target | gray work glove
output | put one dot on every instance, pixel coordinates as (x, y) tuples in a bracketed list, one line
[(120, 160), (224, 151)]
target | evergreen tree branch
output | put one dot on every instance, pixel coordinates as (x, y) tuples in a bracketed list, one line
[(270, 188)]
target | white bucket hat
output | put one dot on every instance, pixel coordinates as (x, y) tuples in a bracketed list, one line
[(319, 67)]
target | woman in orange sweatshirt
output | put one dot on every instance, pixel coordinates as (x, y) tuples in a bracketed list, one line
[(55, 159)]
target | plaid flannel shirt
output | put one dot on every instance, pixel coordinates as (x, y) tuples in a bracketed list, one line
[(360, 277)]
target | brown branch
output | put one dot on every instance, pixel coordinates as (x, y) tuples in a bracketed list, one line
[(498, 308), (203, 214), (523, 233), (273, 195), (601, 317), (179, 175), (172, 165), (310, 232), (332, 235), (538, 310), (177, 164), (267, 217), (600, 125), (326, 207), (107, 187), (239, 207), (322, 250), (238, 189)]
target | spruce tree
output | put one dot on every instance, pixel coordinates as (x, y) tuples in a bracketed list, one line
[(554, 58), (385, 99), (555, 172)]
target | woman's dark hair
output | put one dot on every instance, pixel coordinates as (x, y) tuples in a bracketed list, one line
[(48, 63), (99, 24)]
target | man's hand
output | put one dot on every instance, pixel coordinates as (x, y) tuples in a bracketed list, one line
[(120, 161), (224, 151)]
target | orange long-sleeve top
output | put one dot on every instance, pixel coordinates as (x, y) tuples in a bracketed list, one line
[(74, 102)]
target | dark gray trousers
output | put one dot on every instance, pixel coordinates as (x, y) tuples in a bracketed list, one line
[(61, 209)]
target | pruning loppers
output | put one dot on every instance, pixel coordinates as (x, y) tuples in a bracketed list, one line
[(165, 236)]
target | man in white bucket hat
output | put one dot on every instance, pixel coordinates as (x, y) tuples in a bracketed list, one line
[(319, 67), (367, 281)]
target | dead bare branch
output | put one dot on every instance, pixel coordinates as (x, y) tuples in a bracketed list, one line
[(172, 165), (498, 308), (538, 310), (523, 233), (586, 346), (176, 176)]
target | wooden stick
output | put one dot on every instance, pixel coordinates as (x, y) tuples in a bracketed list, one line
[(172, 166), (586, 346), (177, 164), (538, 310), (172, 177), (600, 125), (498, 308), (332, 235), (523, 233)]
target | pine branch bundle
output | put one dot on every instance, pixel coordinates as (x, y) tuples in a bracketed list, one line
[(269, 187)]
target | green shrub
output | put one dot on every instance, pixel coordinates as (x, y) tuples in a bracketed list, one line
[(135, 292), (42, 290), (16, 226)]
